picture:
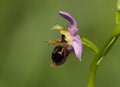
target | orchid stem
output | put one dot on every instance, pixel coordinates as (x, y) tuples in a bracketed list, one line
[(100, 55)]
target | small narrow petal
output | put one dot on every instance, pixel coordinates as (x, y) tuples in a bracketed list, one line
[(77, 46), (68, 17), (73, 28)]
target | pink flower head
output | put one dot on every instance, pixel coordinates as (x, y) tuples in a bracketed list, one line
[(70, 41), (76, 41)]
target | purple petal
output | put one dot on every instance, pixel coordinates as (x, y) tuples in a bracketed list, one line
[(68, 17), (77, 45), (73, 29)]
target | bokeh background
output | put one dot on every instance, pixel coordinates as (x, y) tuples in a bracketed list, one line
[(25, 56)]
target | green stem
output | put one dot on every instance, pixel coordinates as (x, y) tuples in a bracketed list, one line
[(100, 55), (103, 51), (97, 60), (89, 44)]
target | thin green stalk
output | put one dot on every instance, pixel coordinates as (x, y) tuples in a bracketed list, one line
[(103, 51), (98, 57), (89, 44)]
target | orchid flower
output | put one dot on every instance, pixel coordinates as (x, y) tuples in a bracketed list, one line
[(70, 41)]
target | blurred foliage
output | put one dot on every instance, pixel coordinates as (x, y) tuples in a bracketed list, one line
[(25, 56)]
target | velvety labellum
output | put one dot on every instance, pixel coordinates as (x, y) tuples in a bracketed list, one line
[(59, 55)]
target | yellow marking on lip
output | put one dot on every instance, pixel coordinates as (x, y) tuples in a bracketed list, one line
[(61, 51)]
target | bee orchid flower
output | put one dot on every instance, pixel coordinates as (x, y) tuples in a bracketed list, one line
[(70, 41)]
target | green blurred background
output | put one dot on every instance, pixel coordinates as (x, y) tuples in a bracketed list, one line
[(25, 56)]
